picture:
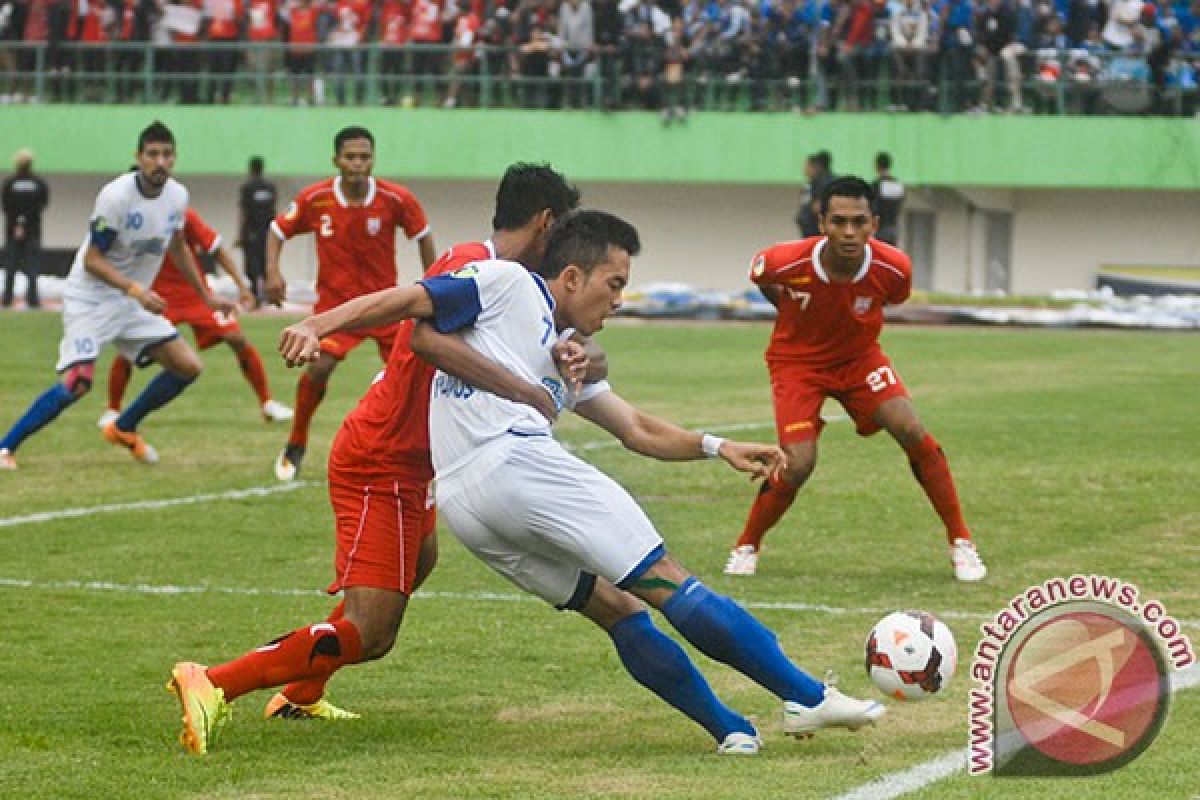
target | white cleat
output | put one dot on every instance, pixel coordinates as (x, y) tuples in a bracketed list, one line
[(837, 710), (275, 411), (968, 566), (7, 459), (108, 416), (742, 561), (740, 744)]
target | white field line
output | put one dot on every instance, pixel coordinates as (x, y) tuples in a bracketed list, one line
[(500, 597), (898, 784), (143, 505)]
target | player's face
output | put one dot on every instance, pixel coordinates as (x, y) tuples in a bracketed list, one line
[(595, 297), (848, 224), (355, 160), (155, 162)]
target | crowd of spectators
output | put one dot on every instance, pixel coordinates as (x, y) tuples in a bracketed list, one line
[(946, 55)]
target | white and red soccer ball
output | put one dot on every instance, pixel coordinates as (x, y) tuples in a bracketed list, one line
[(911, 655)]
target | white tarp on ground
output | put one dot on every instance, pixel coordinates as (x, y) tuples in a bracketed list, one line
[(1095, 308)]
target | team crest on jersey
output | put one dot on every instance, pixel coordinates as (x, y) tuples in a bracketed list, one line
[(292, 210), (759, 266), (373, 225), (469, 271), (134, 221), (862, 305)]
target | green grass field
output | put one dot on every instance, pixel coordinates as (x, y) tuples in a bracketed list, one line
[(1074, 452)]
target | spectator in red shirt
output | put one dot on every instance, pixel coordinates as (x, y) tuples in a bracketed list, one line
[(224, 30), (301, 52), (262, 27), (393, 36)]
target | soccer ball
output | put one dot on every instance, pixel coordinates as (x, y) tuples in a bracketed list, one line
[(911, 655)]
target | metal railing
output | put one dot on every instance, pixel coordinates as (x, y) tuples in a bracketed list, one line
[(1053, 82)]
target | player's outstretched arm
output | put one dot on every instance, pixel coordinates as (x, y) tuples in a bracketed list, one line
[(98, 265), (452, 355), (655, 437), (274, 284), (245, 296), (182, 256), (301, 342)]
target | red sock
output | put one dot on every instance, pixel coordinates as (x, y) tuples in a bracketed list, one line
[(774, 499), (932, 471), (309, 395), (252, 368), (310, 691), (118, 380), (304, 653)]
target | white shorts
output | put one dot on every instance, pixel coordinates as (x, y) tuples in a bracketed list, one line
[(544, 518), (90, 325)]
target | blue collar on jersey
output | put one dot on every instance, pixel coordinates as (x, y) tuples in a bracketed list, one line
[(541, 284)]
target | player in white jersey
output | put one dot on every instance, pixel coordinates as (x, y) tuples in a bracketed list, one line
[(136, 220), (561, 529)]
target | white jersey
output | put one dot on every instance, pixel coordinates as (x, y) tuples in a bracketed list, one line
[(506, 313), (132, 231)]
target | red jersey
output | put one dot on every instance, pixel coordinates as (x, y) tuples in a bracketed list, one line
[(425, 22), (393, 22), (356, 245), (302, 27), (388, 431), (260, 21), (170, 283), (822, 322)]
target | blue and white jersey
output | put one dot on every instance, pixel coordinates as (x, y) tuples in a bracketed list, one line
[(506, 313), (132, 231)]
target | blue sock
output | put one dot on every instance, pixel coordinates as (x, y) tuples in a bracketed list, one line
[(657, 662), (165, 387), (723, 630), (43, 410)]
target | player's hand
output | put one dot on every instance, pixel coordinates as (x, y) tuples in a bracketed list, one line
[(572, 361), (222, 306), (276, 289), (247, 299), (760, 460), (541, 401), (152, 301), (299, 344)]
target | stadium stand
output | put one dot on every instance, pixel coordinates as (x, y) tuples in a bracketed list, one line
[(673, 56)]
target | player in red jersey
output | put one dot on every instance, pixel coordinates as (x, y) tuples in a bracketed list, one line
[(379, 474), (184, 306), (354, 218), (830, 291)]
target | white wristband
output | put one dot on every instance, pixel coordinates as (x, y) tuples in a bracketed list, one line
[(711, 445)]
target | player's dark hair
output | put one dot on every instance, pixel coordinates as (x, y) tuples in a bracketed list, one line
[(847, 186), (256, 166), (583, 238), (883, 161), (155, 133), (527, 189), (351, 132), (823, 159)]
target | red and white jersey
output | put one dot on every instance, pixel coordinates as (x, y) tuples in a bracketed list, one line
[(388, 431), (356, 245), (823, 322), (170, 283)]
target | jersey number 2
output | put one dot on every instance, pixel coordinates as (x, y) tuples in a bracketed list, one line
[(326, 225)]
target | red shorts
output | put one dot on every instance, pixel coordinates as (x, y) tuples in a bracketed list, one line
[(380, 527), (861, 386), (340, 344), (211, 327)]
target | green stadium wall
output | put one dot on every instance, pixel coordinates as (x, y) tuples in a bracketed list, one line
[(958, 151)]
